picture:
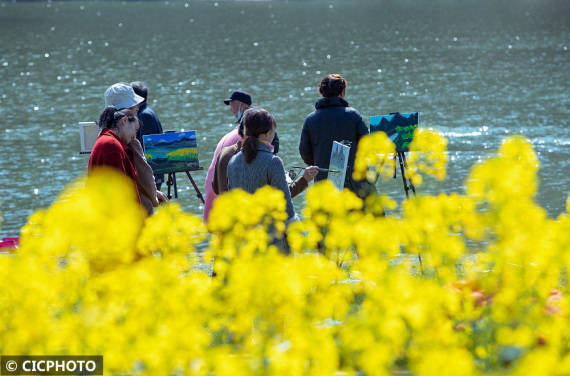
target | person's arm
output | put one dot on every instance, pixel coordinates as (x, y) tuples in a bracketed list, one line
[(305, 147), (229, 139), (216, 178), (302, 181), (277, 180), (140, 135), (162, 198), (210, 194), (298, 186), (211, 169), (145, 178), (230, 171)]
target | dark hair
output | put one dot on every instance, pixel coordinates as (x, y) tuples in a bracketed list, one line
[(255, 121), (332, 85), (111, 116), (140, 89)]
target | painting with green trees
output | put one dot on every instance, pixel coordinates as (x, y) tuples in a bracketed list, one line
[(399, 127), (171, 152)]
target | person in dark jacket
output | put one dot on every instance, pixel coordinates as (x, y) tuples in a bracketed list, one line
[(150, 123), (333, 120)]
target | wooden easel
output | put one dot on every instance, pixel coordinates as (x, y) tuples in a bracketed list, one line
[(171, 183)]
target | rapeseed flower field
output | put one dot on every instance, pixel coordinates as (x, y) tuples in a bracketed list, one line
[(458, 284)]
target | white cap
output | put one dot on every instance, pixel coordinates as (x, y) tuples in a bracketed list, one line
[(121, 96)]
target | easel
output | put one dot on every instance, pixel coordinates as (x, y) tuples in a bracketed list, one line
[(408, 185), (403, 167), (399, 127), (171, 183), (89, 131)]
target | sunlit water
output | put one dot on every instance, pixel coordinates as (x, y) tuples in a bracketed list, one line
[(474, 70)]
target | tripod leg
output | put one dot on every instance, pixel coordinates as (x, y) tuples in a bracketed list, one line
[(198, 193), (409, 179), (402, 168), (175, 188), (169, 185)]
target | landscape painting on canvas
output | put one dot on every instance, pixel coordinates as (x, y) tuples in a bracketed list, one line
[(171, 152), (399, 128)]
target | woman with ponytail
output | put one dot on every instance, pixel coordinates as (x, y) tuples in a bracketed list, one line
[(220, 180), (256, 165), (118, 129)]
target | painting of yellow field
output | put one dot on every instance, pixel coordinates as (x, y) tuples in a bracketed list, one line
[(171, 152)]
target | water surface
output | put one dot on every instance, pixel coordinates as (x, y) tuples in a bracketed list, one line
[(475, 70)]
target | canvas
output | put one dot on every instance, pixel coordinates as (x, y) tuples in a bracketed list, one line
[(171, 152), (339, 161), (399, 128), (88, 132)]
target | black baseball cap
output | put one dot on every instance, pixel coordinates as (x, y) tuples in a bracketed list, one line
[(241, 96)]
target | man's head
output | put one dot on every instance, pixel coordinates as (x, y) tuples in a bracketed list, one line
[(140, 89), (239, 101), (121, 95), (332, 85)]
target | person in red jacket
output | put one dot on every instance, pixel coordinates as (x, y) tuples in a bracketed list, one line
[(118, 129)]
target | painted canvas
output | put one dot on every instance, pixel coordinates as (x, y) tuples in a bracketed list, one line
[(88, 132), (399, 128), (171, 152), (339, 161)]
